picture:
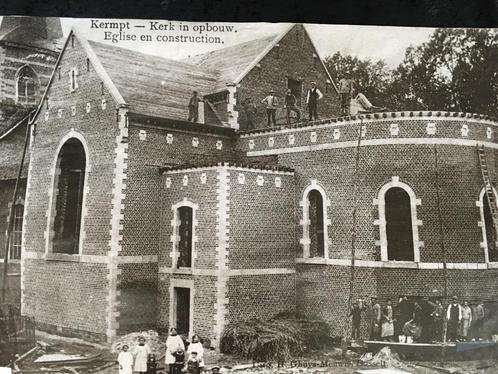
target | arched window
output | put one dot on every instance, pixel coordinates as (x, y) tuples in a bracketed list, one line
[(185, 216), (315, 222), (316, 228), (26, 86), (399, 225), (184, 238), (69, 183)]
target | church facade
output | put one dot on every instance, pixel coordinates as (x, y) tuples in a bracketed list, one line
[(137, 218)]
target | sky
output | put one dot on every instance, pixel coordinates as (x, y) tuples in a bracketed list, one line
[(365, 42)]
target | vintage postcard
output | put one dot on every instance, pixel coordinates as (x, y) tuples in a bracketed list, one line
[(221, 197)]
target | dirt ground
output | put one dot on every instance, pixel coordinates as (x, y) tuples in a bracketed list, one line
[(325, 361)]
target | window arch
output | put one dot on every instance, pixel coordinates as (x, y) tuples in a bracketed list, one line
[(69, 183), (184, 238), (27, 86), (489, 235), (315, 223), (398, 223)]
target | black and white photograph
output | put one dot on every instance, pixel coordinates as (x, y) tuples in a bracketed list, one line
[(247, 198)]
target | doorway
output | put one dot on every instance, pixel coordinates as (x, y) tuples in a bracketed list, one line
[(181, 318)]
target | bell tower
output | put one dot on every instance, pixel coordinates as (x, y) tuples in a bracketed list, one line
[(29, 47)]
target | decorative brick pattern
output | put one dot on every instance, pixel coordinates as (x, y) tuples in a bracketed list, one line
[(222, 250)]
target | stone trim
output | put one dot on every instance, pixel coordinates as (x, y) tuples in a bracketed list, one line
[(398, 264), (233, 115), (175, 238), (305, 222), (374, 142), (482, 224), (399, 116), (222, 235), (116, 222), (227, 272), (91, 259), (182, 283), (235, 168), (381, 221), (52, 191)]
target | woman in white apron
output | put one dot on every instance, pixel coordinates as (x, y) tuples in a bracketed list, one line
[(142, 352), (125, 361), (174, 343)]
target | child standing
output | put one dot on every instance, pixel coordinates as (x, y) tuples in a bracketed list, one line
[(195, 353), (125, 361), (142, 352)]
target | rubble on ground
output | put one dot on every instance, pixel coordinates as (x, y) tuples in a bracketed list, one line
[(385, 357), (152, 338)]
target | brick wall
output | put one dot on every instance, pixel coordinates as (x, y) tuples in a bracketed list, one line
[(59, 288), (204, 196), (324, 290), (145, 186), (260, 296), (292, 59), (138, 295), (263, 233), (99, 130), (68, 295), (12, 58), (204, 303), (330, 160)]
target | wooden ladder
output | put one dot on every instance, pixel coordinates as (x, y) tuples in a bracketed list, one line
[(488, 186)]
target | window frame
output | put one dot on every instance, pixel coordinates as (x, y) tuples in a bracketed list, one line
[(54, 172), (305, 222), (175, 237), (380, 201), (36, 85)]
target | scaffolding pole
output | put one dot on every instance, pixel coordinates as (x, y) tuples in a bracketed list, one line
[(355, 208), (443, 255)]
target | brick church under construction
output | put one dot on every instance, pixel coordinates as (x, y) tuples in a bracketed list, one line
[(136, 218)]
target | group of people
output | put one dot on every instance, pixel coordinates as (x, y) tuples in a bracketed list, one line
[(177, 358), (290, 104), (420, 320)]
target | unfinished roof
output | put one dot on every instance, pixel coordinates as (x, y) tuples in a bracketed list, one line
[(153, 85), (232, 62)]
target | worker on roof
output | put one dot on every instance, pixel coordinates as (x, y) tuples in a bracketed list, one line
[(314, 95), (290, 106), (271, 102), (250, 112), (346, 89), (193, 107)]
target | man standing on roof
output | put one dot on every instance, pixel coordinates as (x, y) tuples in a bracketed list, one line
[(271, 102), (193, 107), (346, 92), (290, 106), (314, 95)]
